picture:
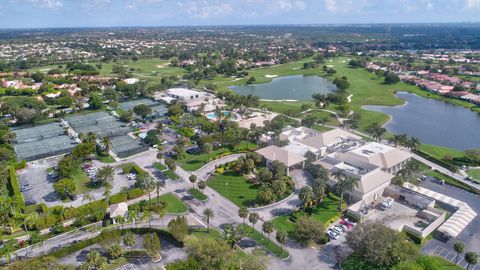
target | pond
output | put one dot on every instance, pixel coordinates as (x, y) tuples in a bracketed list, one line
[(433, 122), (297, 87)]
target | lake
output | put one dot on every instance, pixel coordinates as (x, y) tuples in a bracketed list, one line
[(433, 121), (288, 88)]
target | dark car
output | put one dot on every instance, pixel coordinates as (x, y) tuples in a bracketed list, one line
[(30, 202), (194, 150)]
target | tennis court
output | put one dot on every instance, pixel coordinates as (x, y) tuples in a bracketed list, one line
[(43, 141)]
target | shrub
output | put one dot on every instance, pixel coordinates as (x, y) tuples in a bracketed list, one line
[(135, 193), (18, 199), (220, 170), (21, 165), (118, 198)]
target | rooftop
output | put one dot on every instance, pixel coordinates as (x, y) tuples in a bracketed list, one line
[(273, 152)]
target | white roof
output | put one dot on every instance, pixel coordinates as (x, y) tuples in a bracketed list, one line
[(288, 158), (182, 92), (329, 138), (381, 155), (118, 210)]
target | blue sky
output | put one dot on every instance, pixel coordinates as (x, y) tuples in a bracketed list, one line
[(81, 13)]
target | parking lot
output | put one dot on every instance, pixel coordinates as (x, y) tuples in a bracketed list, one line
[(451, 256), (142, 263), (470, 235), (41, 183)]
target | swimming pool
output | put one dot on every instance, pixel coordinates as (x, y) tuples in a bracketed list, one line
[(213, 115)]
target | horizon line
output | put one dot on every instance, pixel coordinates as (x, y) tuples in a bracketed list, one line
[(242, 25)]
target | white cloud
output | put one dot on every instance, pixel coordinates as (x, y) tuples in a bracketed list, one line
[(96, 4), (288, 5), (50, 4), (204, 9), (473, 3), (135, 4)]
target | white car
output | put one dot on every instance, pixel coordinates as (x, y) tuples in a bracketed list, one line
[(351, 222), (336, 229), (332, 235)]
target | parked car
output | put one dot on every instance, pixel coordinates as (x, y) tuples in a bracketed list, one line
[(30, 202), (351, 222), (344, 223), (194, 150), (423, 177), (343, 227), (337, 230), (332, 235)]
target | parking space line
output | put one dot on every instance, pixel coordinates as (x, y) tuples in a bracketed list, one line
[(435, 251), (450, 254), (443, 250)]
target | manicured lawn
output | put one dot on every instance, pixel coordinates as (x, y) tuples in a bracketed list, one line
[(439, 152), (195, 162), (168, 173), (332, 120), (475, 174), (105, 158), (325, 212), (265, 242), (285, 107), (159, 166), (355, 262), (172, 175), (82, 182), (234, 187), (452, 181), (197, 194), (174, 205)]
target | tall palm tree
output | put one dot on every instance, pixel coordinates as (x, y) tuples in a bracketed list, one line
[(318, 187), (346, 185), (106, 144), (87, 197), (208, 215), (306, 195), (147, 216), (158, 187), (413, 143), (132, 216), (91, 137), (207, 149), (267, 227), (265, 194), (105, 175), (243, 213), (253, 218)]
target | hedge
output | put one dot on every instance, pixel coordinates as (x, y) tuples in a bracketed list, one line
[(133, 168), (17, 196), (118, 198), (135, 193), (21, 165)]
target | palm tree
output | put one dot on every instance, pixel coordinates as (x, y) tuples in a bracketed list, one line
[(459, 247), (267, 227), (208, 215), (129, 240), (243, 213), (413, 143), (207, 149), (147, 216), (281, 237), (318, 187), (87, 197), (95, 260), (161, 214), (346, 184), (105, 175), (306, 195), (202, 185), (106, 193), (279, 187), (471, 258), (253, 218), (192, 179), (158, 186), (107, 144), (132, 216), (91, 137), (265, 194)]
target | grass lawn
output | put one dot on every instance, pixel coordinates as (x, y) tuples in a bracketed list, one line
[(197, 194), (82, 182), (475, 174), (439, 152), (452, 181), (325, 212), (168, 173), (285, 107), (105, 158), (265, 242), (174, 204), (355, 262), (238, 190), (195, 162), (332, 120)]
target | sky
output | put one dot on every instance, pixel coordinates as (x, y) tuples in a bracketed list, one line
[(93, 13)]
